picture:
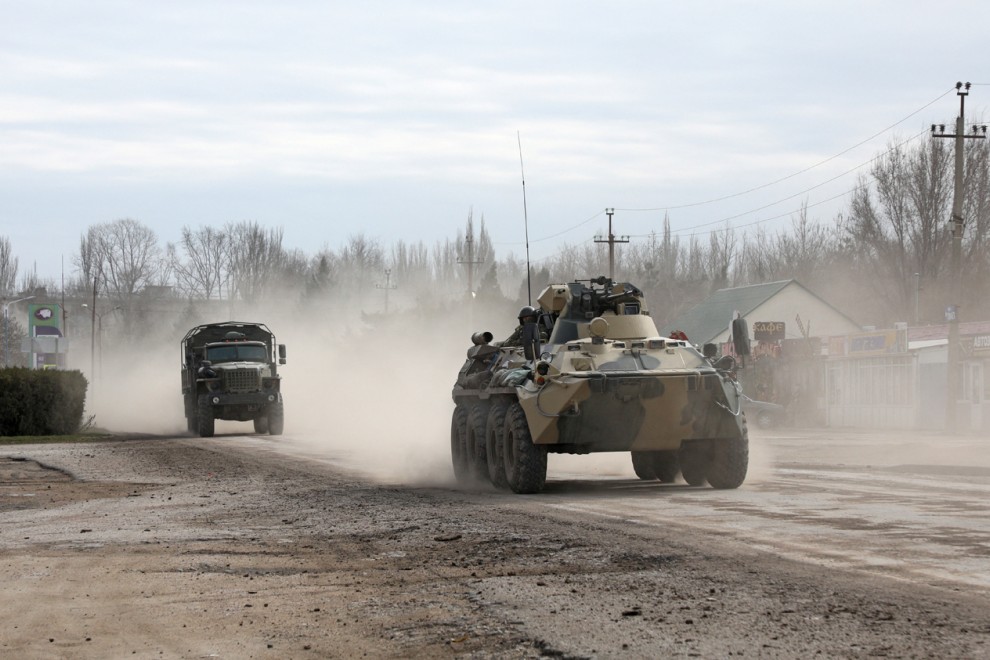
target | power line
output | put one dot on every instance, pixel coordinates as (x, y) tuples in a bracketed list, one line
[(771, 218), (559, 233), (807, 190), (693, 228), (807, 169)]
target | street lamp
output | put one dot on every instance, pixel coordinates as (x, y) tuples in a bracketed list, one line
[(6, 327), (99, 333)]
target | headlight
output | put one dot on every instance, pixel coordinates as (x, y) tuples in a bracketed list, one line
[(213, 385)]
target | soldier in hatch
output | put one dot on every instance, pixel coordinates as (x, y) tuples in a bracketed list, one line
[(526, 315)]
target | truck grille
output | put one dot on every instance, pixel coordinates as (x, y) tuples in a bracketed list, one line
[(242, 380)]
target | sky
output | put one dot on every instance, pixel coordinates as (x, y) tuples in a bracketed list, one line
[(396, 120)]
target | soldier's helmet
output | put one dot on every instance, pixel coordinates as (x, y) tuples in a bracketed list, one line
[(528, 313)]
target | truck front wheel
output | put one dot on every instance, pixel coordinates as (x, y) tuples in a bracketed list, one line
[(204, 417), (261, 425), (276, 418)]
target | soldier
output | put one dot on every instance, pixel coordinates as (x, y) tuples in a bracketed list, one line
[(526, 315)]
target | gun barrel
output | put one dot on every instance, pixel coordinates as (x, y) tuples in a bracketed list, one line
[(481, 338)]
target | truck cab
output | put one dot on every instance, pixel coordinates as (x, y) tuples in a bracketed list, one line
[(230, 372)]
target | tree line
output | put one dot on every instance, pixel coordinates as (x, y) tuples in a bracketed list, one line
[(885, 259)]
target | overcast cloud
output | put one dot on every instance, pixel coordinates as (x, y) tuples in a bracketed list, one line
[(395, 119)]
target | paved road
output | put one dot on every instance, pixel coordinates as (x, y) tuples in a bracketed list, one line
[(913, 507), (909, 506), (235, 547)]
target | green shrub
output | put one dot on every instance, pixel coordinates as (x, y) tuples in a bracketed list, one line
[(41, 402)]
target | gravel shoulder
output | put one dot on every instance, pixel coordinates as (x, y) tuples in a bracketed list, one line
[(179, 547)]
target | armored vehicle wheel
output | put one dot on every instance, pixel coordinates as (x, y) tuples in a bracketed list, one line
[(261, 425), (276, 418), (475, 441), (494, 439), (694, 462), (730, 460), (643, 465), (458, 449), (525, 462), (666, 466), (204, 417), (191, 424)]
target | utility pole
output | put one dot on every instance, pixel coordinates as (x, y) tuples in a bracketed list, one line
[(917, 297), (611, 240), (92, 332), (387, 286), (955, 263), (470, 262)]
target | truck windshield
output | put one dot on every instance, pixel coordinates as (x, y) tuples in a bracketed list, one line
[(237, 353)]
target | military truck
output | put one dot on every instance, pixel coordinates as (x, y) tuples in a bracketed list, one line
[(230, 371), (605, 381)]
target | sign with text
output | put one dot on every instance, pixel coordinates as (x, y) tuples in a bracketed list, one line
[(882, 342), (768, 330)]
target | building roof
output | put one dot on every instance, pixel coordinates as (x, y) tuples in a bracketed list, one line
[(706, 320)]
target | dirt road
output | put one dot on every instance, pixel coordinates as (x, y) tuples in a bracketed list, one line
[(842, 545)]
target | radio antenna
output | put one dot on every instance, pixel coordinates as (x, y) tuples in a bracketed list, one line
[(529, 276)]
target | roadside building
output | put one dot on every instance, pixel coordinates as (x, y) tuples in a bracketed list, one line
[(787, 323), (824, 369), (896, 378)]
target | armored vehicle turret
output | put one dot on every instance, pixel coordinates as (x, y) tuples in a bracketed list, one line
[(589, 373)]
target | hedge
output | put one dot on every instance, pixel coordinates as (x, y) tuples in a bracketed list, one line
[(41, 401)]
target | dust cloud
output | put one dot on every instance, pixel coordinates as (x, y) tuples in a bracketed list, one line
[(137, 388), (372, 396), (378, 400)]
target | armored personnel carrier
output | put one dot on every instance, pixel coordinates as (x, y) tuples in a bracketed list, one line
[(587, 372), (230, 371)]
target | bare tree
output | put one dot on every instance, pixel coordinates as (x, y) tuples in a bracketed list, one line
[(976, 213), (256, 260), (411, 265), (759, 259), (204, 270), (123, 255), (8, 268), (446, 270), (362, 261), (805, 251), (721, 253), (323, 274), (896, 230)]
